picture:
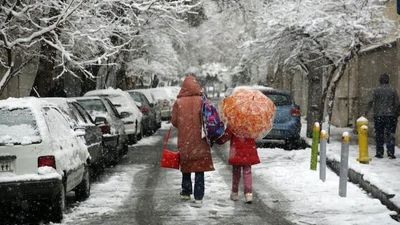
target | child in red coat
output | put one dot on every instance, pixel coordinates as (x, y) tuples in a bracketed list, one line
[(242, 154)]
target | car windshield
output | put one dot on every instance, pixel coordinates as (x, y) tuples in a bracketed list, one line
[(279, 99), (135, 96), (18, 126)]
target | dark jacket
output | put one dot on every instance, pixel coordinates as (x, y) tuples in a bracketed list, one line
[(385, 101), (195, 153)]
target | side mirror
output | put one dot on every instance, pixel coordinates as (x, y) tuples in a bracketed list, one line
[(151, 105), (99, 120), (124, 114)]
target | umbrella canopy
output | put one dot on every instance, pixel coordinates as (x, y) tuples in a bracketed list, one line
[(248, 113)]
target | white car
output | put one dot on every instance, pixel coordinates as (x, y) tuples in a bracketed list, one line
[(41, 156), (128, 109), (166, 99)]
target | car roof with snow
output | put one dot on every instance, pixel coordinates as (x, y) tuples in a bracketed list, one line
[(262, 89), (121, 99), (27, 102)]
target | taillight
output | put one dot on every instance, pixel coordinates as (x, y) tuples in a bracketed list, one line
[(295, 112), (105, 128), (144, 110), (47, 160)]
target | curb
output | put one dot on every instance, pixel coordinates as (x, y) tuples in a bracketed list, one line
[(358, 178)]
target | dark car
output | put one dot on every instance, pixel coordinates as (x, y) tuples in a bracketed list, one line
[(82, 120), (149, 114), (287, 122), (107, 118), (154, 103)]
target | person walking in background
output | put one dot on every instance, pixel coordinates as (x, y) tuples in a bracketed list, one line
[(385, 104), (154, 82), (242, 155), (195, 153)]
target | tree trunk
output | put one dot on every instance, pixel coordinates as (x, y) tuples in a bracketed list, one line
[(314, 109), (44, 75)]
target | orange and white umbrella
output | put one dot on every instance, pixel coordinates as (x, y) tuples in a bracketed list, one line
[(248, 113)]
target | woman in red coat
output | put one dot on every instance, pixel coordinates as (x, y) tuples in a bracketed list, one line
[(242, 154), (195, 154)]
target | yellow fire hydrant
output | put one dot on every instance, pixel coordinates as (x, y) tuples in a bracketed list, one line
[(362, 130), (361, 121)]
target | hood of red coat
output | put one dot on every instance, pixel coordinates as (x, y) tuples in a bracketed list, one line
[(190, 87)]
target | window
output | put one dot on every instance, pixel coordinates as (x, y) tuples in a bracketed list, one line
[(58, 126), (279, 99), (113, 109), (18, 126)]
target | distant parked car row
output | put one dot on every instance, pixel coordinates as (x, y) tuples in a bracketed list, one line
[(51, 146)]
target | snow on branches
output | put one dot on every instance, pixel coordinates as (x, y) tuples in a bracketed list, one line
[(82, 32), (328, 28)]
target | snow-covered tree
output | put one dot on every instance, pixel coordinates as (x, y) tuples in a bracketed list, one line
[(318, 36), (81, 33)]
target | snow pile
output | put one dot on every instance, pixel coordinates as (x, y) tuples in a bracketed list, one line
[(106, 197), (42, 175), (379, 172), (309, 199)]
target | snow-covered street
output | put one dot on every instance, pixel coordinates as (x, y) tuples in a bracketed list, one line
[(286, 192)]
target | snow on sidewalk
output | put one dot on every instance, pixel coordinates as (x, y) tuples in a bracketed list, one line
[(106, 196), (382, 173), (312, 201)]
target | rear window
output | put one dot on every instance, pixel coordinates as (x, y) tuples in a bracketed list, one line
[(18, 126), (279, 99)]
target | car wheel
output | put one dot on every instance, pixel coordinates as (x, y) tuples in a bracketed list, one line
[(82, 191), (291, 144), (57, 206)]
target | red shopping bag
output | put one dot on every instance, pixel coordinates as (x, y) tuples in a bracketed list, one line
[(169, 158)]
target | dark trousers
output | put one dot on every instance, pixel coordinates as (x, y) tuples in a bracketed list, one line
[(198, 185), (385, 130)]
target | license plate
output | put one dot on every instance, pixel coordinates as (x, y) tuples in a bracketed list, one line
[(7, 163), (275, 132)]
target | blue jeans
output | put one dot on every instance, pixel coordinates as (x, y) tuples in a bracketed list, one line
[(198, 185), (385, 130)]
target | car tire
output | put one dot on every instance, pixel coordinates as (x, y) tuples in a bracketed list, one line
[(292, 144), (82, 191), (57, 206)]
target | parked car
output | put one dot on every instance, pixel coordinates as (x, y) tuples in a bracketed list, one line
[(80, 119), (166, 100), (154, 104), (41, 157), (128, 109), (150, 122), (107, 118), (287, 123)]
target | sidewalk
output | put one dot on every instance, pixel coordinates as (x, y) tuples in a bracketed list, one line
[(380, 178)]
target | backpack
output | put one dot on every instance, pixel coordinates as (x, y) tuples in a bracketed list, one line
[(212, 124)]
